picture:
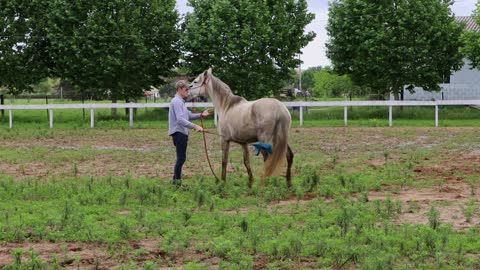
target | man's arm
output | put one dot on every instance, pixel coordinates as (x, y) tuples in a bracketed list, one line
[(193, 116), (182, 115), (205, 113)]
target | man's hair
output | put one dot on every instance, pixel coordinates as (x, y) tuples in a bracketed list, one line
[(181, 83)]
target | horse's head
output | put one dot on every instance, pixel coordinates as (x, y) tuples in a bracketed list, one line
[(199, 86)]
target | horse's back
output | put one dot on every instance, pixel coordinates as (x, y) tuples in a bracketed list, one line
[(271, 108), (257, 120)]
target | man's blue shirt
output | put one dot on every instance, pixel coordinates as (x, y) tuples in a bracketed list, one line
[(179, 116)]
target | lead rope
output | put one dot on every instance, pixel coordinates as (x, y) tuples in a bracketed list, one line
[(205, 143), (206, 152)]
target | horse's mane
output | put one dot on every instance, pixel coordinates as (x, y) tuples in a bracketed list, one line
[(228, 98), (218, 84)]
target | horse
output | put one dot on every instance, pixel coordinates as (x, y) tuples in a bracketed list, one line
[(264, 120)]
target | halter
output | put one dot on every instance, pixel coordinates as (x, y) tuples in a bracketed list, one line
[(199, 85)]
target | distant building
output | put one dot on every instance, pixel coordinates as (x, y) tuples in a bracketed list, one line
[(152, 94), (463, 84)]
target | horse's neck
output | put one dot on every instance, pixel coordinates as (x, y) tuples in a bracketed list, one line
[(220, 96), (217, 101), (217, 106)]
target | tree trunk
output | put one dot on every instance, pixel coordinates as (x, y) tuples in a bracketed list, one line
[(398, 94), (83, 110), (2, 102), (114, 110)]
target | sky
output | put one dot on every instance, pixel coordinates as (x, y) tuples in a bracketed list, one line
[(314, 53)]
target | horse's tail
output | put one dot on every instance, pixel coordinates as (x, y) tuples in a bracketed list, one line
[(279, 146)]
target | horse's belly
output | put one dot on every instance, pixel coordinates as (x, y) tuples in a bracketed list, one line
[(239, 131)]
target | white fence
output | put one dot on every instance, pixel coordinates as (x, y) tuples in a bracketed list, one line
[(301, 105)]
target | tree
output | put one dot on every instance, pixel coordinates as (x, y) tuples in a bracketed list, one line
[(385, 45), (21, 53), (120, 46), (308, 79), (329, 84), (471, 40), (251, 44), (46, 86)]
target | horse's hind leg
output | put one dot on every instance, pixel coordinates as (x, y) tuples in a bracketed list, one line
[(264, 154), (225, 148), (290, 156), (246, 162)]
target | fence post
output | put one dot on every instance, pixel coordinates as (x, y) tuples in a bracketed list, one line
[(10, 118), (301, 115), (345, 116), (83, 109), (436, 115), (130, 116), (46, 102), (92, 118), (390, 116), (215, 118), (50, 116), (2, 102)]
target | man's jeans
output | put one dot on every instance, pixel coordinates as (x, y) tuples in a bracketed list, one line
[(180, 141)]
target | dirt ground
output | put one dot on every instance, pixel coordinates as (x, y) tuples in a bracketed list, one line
[(454, 166)]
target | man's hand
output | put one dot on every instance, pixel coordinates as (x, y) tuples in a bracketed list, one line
[(206, 113), (198, 128)]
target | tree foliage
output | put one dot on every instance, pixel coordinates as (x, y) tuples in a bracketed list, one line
[(251, 45), (308, 79), (46, 86), (21, 53), (328, 84), (471, 40), (387, 44), (118, 46)]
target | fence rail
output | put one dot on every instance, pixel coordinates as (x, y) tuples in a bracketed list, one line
[(300, 105)]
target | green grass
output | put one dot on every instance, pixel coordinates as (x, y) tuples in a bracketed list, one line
[(340, 233), (327, 220)]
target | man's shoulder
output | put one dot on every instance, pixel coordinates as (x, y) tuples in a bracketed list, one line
[(176, 100)]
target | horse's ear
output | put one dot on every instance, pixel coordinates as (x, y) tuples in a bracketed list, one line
[(207, 75)]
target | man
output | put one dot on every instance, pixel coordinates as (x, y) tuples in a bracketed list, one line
[(179, 124)]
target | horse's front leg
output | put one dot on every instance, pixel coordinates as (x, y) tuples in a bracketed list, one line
[(225, 148), (246, 162)]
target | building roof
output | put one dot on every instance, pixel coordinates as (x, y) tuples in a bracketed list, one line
[(470, 24)]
